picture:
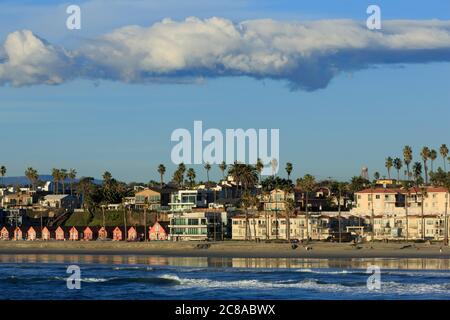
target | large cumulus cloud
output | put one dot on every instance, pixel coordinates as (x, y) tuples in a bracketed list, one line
[(306, 54)]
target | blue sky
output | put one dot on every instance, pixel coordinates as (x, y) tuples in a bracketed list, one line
[(359, 119)]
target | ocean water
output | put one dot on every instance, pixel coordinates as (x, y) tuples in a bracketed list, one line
[(156, 277)]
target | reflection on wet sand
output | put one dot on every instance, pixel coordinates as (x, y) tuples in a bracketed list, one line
[(217, 262)]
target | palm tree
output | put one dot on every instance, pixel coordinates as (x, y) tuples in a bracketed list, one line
[(161, 171), (417, 171), (307, 184), (443, 150), (398, 164), (407, 188), (72, 175), (55, 175), (389, 164), (425, 154), (376, 175), (32, 176), (207, 168), (63, 176), (247, 203), (223, 167), (289, 168), (433, 157), (447, 186), (289, 206), (2, 173), (407, 158), (191, 176), (424, 194), (259, 167), (182, 170), (341, 186)]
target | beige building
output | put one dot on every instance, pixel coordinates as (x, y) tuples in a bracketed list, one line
[(269, 226), (276, 200), (395, 227), (391, 201)]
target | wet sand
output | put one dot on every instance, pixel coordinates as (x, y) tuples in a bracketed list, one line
[(229, 249)]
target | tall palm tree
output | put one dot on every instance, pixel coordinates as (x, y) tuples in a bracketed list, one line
[(2, 173), (417, 171), (161, 171), (443, 150), (223, 167), (425, 154), (259, 167), (407, 188), (407, 158), (376, 175), (398, 164), (191, 176), (207, 168), (289, 206), (182, 170), (28, 173), (433, 157), (447, 186), (423, 195), (289, 169), (72, 175), (63, 176), (389, 164), (247, 203), (307, 184), (55, 175)]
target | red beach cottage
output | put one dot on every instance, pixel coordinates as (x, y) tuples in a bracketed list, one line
[(59, 234), (17, 234), (117, 234), (132, 234), (158, 231), (102, 234), (88, 235), (31, 234), (46, 234), (4, 234), (73, 234)]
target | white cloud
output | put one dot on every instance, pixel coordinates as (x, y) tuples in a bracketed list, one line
[(308, 55)]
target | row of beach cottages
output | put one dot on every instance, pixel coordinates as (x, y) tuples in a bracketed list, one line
[(155, 233)]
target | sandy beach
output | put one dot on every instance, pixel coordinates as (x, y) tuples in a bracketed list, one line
[(230, 249)]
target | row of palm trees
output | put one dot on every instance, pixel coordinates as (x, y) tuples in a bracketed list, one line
[(426, 154)]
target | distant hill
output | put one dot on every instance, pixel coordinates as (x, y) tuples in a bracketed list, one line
[(22, 180)]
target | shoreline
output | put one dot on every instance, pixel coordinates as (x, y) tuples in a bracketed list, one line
[(227, 249)]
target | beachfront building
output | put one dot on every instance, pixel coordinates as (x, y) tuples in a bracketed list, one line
[(275, 200), (393, 227), (59, 201), (188, 199), (20, 199), (159, 231), (197, 225), (152, 199), (433, 200), (270, 226)]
